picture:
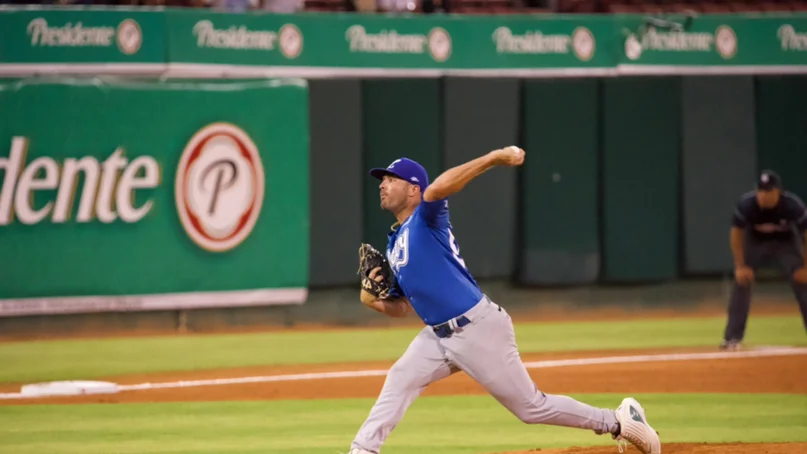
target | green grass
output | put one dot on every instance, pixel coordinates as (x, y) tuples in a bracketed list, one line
[(87, 359), (468, 424)]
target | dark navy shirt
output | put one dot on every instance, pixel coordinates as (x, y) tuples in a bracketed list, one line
[(780, 222), (425, 259)]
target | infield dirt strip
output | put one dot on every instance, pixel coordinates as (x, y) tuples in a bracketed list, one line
[(733, 374)]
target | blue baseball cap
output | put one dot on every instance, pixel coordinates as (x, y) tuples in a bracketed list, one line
[(405, 169)]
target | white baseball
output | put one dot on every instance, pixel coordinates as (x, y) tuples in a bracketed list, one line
[(510, 156), (517, 152)]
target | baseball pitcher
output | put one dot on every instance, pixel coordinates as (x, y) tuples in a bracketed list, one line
[(423, 272)]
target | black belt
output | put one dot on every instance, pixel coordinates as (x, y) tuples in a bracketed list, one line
[(445, 330)]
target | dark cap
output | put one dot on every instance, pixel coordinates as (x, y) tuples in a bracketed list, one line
[(405, 169), (768, 180)]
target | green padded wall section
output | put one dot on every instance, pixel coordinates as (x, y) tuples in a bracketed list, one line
[(781, 114), (482, 115), (560, 229), (641, 144), (401, 118), (336, 180), (719, 163)]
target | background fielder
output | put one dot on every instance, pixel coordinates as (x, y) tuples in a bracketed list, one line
[(768, 226), (465, 329)]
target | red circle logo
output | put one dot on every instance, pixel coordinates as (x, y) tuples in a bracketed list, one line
[(219, 187)]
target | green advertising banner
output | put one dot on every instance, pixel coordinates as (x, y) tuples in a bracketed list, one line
[(121, 41), (320, 45), (724, 43), (194, 43), (526, 43), (201, 38), (145, 195)]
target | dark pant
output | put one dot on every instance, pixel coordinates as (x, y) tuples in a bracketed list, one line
[(788, 254)]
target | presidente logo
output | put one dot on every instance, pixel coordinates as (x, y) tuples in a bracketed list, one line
[(723, 40), (46, 188), (437, 43), (289, 39), (791, 39), (127, 35), (219, 187), (581, 42)]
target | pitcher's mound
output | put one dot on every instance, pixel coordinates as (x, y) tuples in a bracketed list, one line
[(686, 448)]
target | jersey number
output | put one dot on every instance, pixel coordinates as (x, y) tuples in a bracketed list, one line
[(455, 248), (400, 253)]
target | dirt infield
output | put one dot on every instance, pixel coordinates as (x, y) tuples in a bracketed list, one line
[(767, 374)]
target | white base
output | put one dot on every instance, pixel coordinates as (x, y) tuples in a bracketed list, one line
[(68, 388)]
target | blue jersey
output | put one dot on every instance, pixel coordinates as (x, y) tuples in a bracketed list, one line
[(427, 265)]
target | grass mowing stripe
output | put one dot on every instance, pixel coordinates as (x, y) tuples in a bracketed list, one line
[(455, 424), (87, 359)]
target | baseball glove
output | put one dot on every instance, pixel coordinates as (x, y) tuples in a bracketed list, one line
[(369, 259)]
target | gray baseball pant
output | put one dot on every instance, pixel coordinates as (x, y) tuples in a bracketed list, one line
[(486, 350), (758, 253)]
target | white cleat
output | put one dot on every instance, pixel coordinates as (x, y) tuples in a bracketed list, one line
[(359, 451), (635, 429)]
